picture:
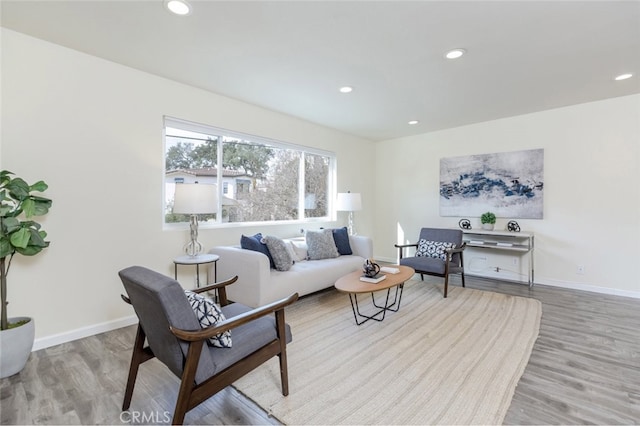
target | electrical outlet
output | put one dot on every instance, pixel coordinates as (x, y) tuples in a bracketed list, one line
[(514, 261), (580, 269)]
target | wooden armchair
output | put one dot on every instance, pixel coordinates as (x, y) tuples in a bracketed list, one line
[(174, 336), (434, 256)]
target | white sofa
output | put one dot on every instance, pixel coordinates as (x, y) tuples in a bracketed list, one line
[(258, 284)]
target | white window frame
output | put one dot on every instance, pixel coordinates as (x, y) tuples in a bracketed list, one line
[(221, 133)]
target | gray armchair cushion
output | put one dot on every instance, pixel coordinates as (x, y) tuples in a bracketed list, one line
[(429, 264), (247, 338)]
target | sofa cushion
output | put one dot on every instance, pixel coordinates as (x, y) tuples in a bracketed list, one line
[(341, 238), (255, 243), (434, 249), (208, 314), (321, 245), (280, 254)]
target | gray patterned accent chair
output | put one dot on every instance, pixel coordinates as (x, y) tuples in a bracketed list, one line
[(174, 336), (436, 259)]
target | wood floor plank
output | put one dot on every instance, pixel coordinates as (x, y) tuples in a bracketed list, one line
[(584, 369)]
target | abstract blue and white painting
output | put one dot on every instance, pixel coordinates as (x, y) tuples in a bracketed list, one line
[(509, 184)]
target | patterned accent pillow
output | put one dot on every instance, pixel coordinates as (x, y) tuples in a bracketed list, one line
[(279, 252), (321, 245), (208, 314), (435, 249)]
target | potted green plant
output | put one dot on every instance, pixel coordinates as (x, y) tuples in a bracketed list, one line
[(18, 234), (488, 220)]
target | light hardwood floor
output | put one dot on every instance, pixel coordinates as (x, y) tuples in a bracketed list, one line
[(584, 369)]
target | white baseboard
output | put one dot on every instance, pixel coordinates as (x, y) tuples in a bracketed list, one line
[(552, 282), (69, 336), (589, 287)]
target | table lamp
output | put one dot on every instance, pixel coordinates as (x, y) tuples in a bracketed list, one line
[(349, 202), (194, 199)]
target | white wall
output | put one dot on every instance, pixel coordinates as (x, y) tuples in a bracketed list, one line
[(92, 129), (591, 204)]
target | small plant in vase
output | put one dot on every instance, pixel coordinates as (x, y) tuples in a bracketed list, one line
[(488, 220)]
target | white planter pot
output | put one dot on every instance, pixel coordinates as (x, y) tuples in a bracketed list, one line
[(487, 226), (15, 346)]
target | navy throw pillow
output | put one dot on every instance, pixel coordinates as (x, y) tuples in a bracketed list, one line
[(255, 243), (341, 238)]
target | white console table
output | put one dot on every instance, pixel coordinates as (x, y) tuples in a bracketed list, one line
[(519, 242)]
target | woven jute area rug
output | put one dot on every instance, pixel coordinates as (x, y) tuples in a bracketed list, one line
[(436, 361)]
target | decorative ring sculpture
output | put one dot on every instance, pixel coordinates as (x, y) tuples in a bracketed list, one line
[(464, 224), (513, 226)]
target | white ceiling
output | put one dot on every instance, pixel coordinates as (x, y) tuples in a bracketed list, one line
[(292, 56)]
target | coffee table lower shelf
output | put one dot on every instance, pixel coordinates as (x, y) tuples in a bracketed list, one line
[(352, 285)]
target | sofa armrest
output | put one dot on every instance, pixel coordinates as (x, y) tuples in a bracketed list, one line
[(361, 246), (252, 269)]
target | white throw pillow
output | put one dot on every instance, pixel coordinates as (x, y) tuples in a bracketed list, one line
[(300, 249)]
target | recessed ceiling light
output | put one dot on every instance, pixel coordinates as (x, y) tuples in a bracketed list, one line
[(412, 122), (179, 7), (455, 53), (623, 76), (346, 89)]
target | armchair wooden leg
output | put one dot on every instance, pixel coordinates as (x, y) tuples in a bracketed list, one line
[(446, 285), (284, 375), (282, 337), (187, 382), (137, 358), (462, 276)]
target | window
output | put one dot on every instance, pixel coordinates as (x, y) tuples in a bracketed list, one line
[(258, 179)]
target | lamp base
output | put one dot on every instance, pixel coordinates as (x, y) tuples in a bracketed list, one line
[(350, 226), (193, 248)]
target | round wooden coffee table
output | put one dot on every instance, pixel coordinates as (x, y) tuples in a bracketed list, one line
[(352, 285)]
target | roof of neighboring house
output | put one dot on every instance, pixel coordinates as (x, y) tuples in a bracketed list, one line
[(207, 171)]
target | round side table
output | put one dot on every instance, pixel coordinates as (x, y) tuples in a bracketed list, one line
[(198, 260)]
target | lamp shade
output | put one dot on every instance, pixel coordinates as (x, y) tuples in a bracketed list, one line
[(348, 202), (195, 198)]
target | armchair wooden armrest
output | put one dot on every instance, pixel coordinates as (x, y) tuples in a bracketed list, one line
[(456, 249), (220, 286), (230, 323), (403, 246), (450, 252)]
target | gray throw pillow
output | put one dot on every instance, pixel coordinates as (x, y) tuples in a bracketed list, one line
[(321, 245), (279, 252)]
